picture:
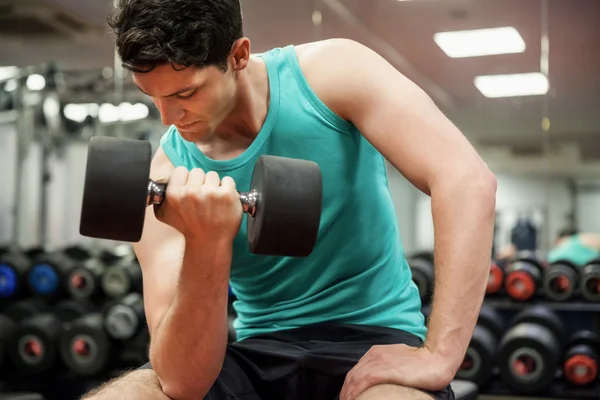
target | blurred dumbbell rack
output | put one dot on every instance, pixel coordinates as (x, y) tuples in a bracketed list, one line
[(58, 382), (558, 390), (576, 314)]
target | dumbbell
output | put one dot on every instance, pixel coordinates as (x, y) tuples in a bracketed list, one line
[(48, 274), (480, 356), (561, 280), (283, 204), (530, 351), (422, 269), (78, 252), (582, 358), (135, 352), (69, 310), (7, 329), (85, 348), (124, 319), (13, 275), (14, 313), (590, 281), (495, 280), (33, 328), (120, 279), (84, 281), (523, 276), (34, 346)]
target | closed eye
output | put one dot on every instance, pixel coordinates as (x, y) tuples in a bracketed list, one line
[(186, 95)]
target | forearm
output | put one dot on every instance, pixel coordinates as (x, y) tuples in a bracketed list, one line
[(188, 346), (463, 224)]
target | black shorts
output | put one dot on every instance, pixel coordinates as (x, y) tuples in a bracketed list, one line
[(304, 363)]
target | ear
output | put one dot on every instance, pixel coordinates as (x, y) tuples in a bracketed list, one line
[(240, 54)]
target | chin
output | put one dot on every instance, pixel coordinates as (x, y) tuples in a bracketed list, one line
[(194, 136)]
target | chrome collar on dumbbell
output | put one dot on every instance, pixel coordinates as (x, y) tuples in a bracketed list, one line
[(157, 191)]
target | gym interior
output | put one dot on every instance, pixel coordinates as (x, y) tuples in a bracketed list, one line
[(520, 79)]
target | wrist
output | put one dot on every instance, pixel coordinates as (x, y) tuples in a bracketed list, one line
[(194, 241), (447, 348)]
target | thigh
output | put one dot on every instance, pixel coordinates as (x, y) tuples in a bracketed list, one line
[(142, 384), (387, 392), (333, 359), (233, 382)]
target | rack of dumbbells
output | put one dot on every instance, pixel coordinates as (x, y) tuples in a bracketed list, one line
[(69, 320), (538, 332)]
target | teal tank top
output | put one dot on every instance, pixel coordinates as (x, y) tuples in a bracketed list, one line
[(573, 250), (357, 273)]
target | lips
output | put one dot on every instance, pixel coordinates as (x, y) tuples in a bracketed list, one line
[(185, 126)]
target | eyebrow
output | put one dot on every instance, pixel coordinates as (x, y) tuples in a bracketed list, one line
[(178, 92)]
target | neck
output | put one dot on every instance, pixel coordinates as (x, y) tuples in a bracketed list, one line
[(251, 104)]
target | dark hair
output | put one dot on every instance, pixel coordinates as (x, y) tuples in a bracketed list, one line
[(186, 32)]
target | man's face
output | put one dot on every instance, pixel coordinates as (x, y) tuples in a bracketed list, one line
[(195, 100)]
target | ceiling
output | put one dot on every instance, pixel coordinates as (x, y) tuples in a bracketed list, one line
[(74, 33)]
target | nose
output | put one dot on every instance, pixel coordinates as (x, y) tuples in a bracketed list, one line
[(169, 114)]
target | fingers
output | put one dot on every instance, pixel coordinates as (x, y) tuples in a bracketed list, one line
[(196, 178), (228, 183), (212, 179), (178, 178)]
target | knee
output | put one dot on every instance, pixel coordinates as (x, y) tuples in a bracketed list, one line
[(391, 392), (135, 385)]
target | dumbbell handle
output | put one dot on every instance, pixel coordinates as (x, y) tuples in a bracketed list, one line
[(157, 191)]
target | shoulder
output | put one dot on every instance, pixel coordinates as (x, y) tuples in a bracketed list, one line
[(332, 58), (590, 239), (313, 53), (336, 70)]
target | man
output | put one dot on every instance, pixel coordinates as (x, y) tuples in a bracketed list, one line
[(578, 247), (346, 320)]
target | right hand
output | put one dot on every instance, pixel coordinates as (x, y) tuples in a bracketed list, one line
[(201, 206)]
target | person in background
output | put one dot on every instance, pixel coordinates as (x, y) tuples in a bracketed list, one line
[(577, 247)]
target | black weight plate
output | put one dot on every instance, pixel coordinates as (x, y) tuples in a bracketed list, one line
[(491, 319), (21, 310), (590, 282), (560, 281), (479, 359), (84, 282), (115, 188), (7, 328), (423, 265), (425, 255), (124, 320), (68, 310), (532, 257), (119, 280), (533, 341), (585, 337), (84, 346), (44, 331), (288, 213), (539, 314)]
